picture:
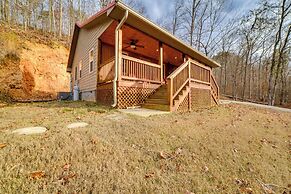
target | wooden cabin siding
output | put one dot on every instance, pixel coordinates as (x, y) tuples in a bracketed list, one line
[(107, 52), (88, 40)]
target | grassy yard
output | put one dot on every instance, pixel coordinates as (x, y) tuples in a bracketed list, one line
[(226, 149)]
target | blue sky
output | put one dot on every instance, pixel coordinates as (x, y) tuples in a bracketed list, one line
[(158, 8)]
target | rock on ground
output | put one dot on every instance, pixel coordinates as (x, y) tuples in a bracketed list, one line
[(30, 130), (77, 125)]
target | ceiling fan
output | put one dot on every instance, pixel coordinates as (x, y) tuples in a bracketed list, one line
[(133, 44)]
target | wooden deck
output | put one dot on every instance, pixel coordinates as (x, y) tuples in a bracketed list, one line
[(141, 83)]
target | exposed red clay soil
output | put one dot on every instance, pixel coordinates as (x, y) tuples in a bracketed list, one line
[(38, 74)]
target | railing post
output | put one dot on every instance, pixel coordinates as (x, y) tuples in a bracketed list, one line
[(161, 61), (170, 93), (189, 95), (119, 55)]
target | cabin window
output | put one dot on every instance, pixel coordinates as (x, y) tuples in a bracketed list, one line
[(80, 69), (76, 73), (91, 60)]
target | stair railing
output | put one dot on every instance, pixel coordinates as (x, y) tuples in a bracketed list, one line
[(214, 89), (177, 81), (190, 71)]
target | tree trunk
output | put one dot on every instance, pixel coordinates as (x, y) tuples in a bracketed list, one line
[(272, 86), (50, 15), (61, 19), (193, 13)]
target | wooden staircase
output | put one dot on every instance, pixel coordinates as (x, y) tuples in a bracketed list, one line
[(159, 100), (170, 96)]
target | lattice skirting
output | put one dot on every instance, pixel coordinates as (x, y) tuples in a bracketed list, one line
[(132, 96), (105, 94), (184, 106), (200, 98)]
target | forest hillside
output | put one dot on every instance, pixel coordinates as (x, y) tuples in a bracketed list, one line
[(33, 65)]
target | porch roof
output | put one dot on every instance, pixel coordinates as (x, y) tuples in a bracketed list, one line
[(116, 11)]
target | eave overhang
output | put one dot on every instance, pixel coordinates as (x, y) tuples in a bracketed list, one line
[(116, 11)]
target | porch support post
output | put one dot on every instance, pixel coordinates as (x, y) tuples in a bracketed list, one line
[(119, 54), (99, 47), (161, 60), (116, 66), (189, 94)]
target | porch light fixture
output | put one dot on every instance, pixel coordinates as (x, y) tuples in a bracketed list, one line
[(132, 46)]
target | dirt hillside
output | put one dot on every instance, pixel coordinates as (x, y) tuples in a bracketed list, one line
[(33, 66)]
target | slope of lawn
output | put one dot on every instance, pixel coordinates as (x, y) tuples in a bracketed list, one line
[(225, 149)]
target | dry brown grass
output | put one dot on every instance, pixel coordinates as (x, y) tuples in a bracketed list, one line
[(226, 149)]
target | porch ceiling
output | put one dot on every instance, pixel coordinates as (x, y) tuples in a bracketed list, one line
[(140, 22), (151, 45)]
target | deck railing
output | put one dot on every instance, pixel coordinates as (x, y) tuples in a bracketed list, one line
[(214, 88), (131, 69), (140, 70), (190, 71), (199, 72), (106, 71), (177, 80)]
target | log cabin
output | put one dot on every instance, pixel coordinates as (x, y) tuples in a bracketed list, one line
[(122, 59)]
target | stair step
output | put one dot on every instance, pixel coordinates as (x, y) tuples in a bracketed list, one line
[(159, 97), (157, 101), (156, 106)]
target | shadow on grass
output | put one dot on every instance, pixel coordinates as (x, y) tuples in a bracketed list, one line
[(69, 105)]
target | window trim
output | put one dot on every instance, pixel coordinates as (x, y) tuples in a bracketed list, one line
[(80, 69), (76, 73), (91, 60)]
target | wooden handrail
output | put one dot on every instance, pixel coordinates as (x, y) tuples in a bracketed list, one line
[(137, 79), (189, 71), (178, 70), (200, 82), (106, 62), (106, 71), (212, 77), (181, 87), (140, 70), (199, 64), (140, 61), (177, 80), (214, 88)]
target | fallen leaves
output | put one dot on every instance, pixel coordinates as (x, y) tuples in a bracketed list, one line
[(2, 145), (66, 167), (189, 192), (66, 174), (243, 186), (64, 179), (150, 175), (168, 156), (266, 142), (205, 169), (37, 174), (235, 150), (164, 155)]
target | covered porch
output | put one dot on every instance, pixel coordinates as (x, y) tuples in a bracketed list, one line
[(144, 65)]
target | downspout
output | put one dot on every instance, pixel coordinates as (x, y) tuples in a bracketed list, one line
[(117, 57)]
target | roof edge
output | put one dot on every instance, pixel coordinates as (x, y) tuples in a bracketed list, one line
[(78, 26), (124, 6)]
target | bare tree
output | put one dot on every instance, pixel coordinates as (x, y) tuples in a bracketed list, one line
[(285, 11)]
